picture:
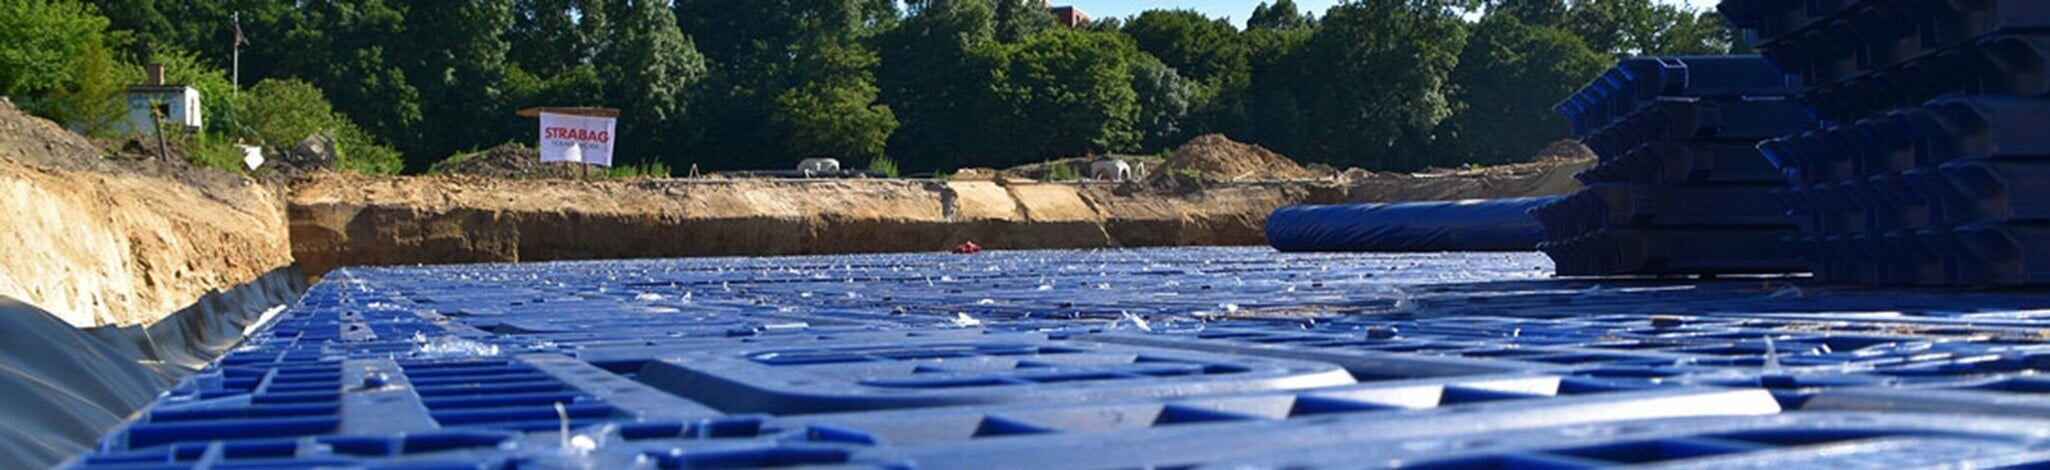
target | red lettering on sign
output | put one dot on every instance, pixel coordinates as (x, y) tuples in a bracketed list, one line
[(585, 135)]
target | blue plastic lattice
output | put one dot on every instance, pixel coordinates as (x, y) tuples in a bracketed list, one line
[(1083, 359)]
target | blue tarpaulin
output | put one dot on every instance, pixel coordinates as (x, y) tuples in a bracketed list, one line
[(1469, 225)]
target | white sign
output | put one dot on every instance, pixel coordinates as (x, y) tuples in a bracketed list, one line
[(251, 155), (573, 138)]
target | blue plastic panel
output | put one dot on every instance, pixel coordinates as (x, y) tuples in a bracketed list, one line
[(1863, 58), (1472, 225), (829, 378), (1637, 83), (1686, 119), (1888, 200), (1677, 163), (1820, 440), (1171, 357)]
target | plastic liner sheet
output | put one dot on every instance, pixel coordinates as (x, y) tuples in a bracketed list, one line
[(1468, 225)]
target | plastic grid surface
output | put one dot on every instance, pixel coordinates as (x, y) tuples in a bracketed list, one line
[(1166, 358)]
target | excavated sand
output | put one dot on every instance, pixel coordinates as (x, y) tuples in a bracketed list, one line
[(99, 242), (1218, 158)]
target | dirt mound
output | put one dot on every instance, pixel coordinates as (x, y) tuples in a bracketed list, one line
[(1215, 157), (509, 160)]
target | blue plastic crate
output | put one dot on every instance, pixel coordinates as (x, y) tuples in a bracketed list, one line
[(828, 378), (1653, 251), (1628, 205), (1637, 83), (1669, 162), (1677, 119), (1183, 433), (1062, 358), (1836, 440)]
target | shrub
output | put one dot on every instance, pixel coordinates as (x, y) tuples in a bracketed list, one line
[(883, 164), (1062, 172), (648, 170), (280, 113)]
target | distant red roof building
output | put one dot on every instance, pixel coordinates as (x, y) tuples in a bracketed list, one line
[(1071, 16)]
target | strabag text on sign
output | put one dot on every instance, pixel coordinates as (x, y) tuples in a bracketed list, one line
[(573, 138)]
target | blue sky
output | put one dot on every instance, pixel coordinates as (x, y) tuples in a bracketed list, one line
[(1236, 9)]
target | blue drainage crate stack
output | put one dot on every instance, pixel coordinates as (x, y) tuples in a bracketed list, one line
[(1681, 187), (1129, 358), (1931, 171)]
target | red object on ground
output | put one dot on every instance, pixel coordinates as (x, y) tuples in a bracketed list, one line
[(967, 248)]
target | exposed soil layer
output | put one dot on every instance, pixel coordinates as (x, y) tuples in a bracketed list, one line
[(340, 219), (99, 241)]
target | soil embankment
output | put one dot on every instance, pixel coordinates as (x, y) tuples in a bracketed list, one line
[(118, 276), (100, 241), (342, 219)]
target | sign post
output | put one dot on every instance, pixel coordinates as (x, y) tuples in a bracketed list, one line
[(577, 135)]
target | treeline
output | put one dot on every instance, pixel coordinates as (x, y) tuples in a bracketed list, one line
[(936, 85)]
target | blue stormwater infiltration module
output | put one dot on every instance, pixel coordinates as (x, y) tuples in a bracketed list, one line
[(1087, 359), (1425, 226), (1931, 167), (1680, 187)]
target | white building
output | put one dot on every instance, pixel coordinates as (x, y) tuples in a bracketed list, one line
[(177, 104)]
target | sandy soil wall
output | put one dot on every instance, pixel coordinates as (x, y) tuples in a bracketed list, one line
[(99, 242), (340, 219)]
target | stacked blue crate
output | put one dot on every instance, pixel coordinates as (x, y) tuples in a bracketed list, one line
[(1924, 175), (1680, 187), (936, 362)]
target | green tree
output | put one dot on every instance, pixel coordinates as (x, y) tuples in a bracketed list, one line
[(454, 53), (43, 44), (758, 57), (1165, 102), (1532, 12), (345, 47), (650, 69), (93, 103), (1065, 92), (1507, 80), (1206, 50), (550, 37), (138, 23), (1373, 80), (1283, 14), (932, 79), (1270, 112), (280, 113), (836, 117), (1208, 53), (1624, 28), (1016, 20)]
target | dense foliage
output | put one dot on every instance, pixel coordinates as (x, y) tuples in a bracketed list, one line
[(932, 85)]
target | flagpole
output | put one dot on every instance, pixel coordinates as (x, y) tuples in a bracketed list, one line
[(236, 74)]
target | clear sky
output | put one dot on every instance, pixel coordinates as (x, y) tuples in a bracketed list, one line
[(1237, 10)]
